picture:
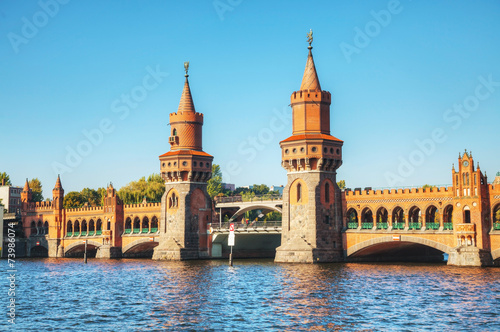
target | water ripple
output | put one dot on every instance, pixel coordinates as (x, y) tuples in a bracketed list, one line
[(254, 295)]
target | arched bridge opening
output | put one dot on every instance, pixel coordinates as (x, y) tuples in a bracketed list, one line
[(39, 251), (142, 248), (397, 249), (77, 249)]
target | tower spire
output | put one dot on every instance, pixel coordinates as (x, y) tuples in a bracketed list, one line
[(26, 186), (58, 183), (310, 79), (186, 104)]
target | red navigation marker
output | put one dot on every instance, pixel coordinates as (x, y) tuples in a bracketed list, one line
[(231, 227)]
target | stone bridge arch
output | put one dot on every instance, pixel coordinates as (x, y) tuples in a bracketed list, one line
[(80, 244), (404, 238), (264, 207), (140, 248)]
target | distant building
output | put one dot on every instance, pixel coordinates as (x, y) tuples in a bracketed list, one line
[(228, 186), (277, 188), (11, 197)]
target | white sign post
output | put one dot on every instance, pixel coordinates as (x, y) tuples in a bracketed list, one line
[(230, 242)]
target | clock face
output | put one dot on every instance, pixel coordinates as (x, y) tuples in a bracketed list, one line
[(466, 163)]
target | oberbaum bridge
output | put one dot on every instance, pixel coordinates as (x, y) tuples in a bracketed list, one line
[(320, 223)]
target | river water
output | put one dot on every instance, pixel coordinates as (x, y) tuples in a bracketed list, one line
[(253, 295)]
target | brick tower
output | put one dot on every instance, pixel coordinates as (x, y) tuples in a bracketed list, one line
[(470, 214), (186, 207), (312, 210), (112, 225), (56, 232)]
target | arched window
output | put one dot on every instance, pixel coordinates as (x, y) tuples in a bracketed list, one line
[(145, 225), (33, 228), (46, 227), (173, 201), (128, 226), (76, 227), (327, 192), (91, 227), (468, 179), (84, 226), (299, 192), (137, 225), (154, 224), (174, 132), (39, 227), (69, 228), (98, 227)]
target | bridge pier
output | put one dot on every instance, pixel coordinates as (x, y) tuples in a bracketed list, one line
[(469, 256), (107, 251)]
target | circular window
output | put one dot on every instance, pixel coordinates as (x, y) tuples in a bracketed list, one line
[(314, 149), (302, 150), (286, 151), (325, 150), (331, 150), (184, 163), (338, 151), (194, 163), (169, 164), (208, 165), (175, 163), (294, 150), (163, 164)]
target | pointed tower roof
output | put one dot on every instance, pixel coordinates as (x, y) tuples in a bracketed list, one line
[(58, 183), (186, 104), (26, 186), (310, 79)]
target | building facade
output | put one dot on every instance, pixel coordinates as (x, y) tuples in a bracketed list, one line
[(10, 197)]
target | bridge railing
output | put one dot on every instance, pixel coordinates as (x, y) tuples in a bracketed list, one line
[(244, 198), (224, 227)]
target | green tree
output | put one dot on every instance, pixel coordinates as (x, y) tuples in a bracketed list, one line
[(36, 189), (260, 189), (341, 184), (214, 185), (6, 177), (273, 216), (102, 192), (428, 186), (91, 196), (72, 200), (152, 188), (497, 215)]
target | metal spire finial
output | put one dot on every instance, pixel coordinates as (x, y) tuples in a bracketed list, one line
[(186, 68), (310, 38)]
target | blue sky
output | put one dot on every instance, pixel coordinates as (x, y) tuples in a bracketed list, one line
[(413, 84)]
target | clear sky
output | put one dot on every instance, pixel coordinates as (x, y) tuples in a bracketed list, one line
[(413, 84)]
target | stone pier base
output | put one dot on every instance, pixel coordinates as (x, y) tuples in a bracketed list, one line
[(469, 256), (309, 255), (106, 251), (180, 254)]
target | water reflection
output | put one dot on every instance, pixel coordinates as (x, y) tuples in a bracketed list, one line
[(130, 295)]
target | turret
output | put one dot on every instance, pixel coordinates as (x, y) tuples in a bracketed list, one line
[(186, 160), (58, 195), (26, 194), (311, 147)]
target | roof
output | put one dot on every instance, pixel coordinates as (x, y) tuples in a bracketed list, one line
[(311, 137), (186, 152)]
